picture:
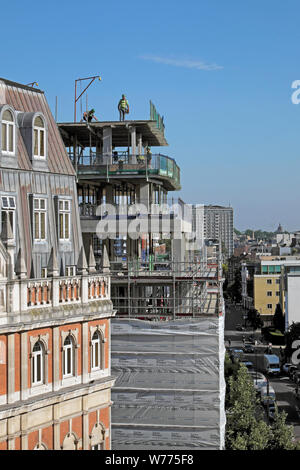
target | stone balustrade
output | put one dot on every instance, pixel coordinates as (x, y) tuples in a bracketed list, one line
[(44, 292)]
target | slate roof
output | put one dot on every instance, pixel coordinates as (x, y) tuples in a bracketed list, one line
[(28, 99)]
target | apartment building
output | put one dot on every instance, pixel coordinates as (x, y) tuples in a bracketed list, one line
[(268, 284), (218, 224), (55, 307), (168, 333)]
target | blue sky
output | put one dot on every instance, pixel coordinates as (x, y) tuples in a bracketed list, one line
[(220, 72)]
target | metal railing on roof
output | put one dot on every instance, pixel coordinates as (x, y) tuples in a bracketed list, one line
[(120, 162)]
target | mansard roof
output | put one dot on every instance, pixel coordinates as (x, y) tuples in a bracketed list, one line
[(23, 98)]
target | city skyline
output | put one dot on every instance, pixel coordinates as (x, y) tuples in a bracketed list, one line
[(211, 69)]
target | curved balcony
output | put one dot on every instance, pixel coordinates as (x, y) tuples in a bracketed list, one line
[(124, 164)]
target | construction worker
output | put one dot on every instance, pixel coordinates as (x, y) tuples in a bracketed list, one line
[(149, 155), (88, 116), (123, 107)]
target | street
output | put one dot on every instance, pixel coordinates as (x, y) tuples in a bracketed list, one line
[(283, 386)]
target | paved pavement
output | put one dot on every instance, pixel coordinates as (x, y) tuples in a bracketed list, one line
[(283, 386)]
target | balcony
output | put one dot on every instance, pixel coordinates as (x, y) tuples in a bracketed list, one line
[(124, 164), (56, 297)]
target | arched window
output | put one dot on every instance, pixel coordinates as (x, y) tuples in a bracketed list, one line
[(96, 351), (97, 437), (68, 357), (39, 142), (40, 446), (70, 442), (38, 364), (8, 132)]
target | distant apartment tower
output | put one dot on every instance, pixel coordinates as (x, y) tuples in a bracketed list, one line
[(218, 224)]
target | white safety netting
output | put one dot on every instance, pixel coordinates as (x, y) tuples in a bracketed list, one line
[(170, 387)]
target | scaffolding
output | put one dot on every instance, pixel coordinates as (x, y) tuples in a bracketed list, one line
[(165, 291)]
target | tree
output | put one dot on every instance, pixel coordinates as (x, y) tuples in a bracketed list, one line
[(278, 319), (235, 290), (282, 437), (254, 319), (246, 428)]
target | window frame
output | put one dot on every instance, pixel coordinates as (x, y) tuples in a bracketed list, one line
[(96, 342), (66, 348), (37, 131), (8, 124), (63, 215), (44, 272), (35, 366), (39, 211), (70, 270), (9, 209)]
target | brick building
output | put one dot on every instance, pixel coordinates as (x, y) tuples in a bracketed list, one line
[(55, 308)]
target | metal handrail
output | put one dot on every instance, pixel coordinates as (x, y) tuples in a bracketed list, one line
[(151, 163)]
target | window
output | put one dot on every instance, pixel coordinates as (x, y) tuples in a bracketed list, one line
[(97, 447), (44, 273), (64, 219), (8, 132), (39, 217), (96, 351), (97, 437), (269, 281), (39, 138), (8, 208), (269, 293), (40, 447), (70, 271), (277, 281), (278, 293), (68, 357), (38, 364), (269, 306)]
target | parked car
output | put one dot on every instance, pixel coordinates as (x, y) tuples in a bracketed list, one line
[(251, 339), (271, 411), (248, 348), (285, 367), (296, 377), (240, 327), (259, 380), (237, 353), (248, 364), (297, 393), (291, 371), (267, 395)]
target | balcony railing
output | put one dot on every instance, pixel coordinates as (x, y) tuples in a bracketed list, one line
[(124, 163), (173, 207), (67, 290), (167, 268)]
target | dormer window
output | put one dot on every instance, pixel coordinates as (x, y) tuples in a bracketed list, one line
[(39, 141), (8, 133)]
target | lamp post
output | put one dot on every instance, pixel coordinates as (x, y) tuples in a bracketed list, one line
[(255, 345), (268, 405)]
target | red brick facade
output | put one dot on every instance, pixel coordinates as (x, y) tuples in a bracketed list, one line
[(73, 427)]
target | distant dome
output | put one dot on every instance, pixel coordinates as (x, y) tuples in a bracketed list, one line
[(280, 229)]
